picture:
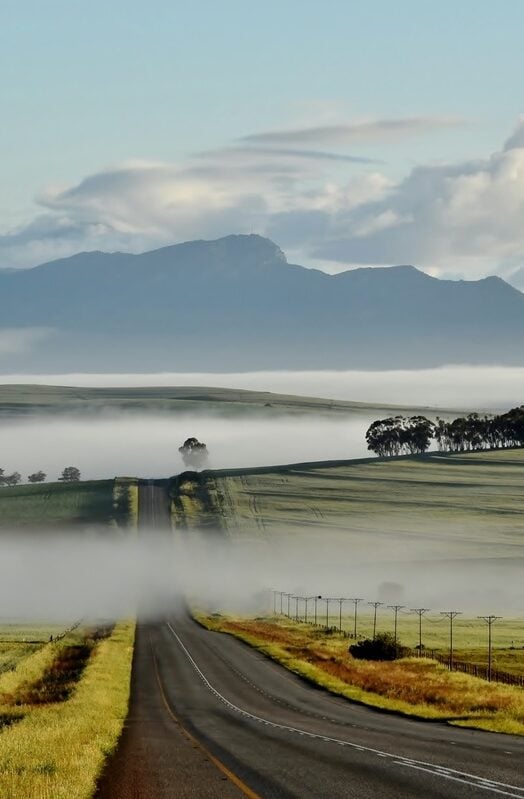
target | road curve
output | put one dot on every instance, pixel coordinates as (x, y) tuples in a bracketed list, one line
[(269, 734)]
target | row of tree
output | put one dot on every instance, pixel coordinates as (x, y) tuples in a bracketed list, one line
[(399, 435), (69, 475)]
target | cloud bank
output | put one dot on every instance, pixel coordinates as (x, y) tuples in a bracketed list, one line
[(303, 188)]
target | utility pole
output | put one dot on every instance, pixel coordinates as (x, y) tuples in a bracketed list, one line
[(288, 595), (375, 605), (327, 600), (420, 612), (490, 620), (341, 600), (355, 601), (451, 614), (281, 595), (308, 599), (316, 599), (395, 609), (296, 607), (274, 602)]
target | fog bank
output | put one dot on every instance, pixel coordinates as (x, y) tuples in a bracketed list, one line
[(67, 577), (462, 387), (146, 444)]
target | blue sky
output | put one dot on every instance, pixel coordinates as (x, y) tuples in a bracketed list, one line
[(104, 101)]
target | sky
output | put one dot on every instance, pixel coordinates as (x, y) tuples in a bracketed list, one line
[(350, 133)]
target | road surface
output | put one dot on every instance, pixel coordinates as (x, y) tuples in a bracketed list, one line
[(266, 733)]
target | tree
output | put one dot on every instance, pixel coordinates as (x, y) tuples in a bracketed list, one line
[(37, 477), (2, 478), (194, 453), (70, 475), (12, 479)]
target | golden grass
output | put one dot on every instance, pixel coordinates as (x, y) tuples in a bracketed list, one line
[(57, 751), (412, 686)]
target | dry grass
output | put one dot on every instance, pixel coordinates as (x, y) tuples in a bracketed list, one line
[(57, 749), (413, 686)]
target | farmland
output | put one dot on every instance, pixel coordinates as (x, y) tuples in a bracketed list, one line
[(425, 523), (459, 505), (73, 505), (32, 399), (64, 687)]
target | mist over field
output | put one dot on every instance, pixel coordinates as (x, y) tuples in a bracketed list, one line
[(462, 387), (66, 577), (146, 444)]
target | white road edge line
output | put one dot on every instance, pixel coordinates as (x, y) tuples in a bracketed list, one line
[(435, 770)]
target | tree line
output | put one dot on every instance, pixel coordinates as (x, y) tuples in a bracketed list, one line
[(400, 435), (69, 475)]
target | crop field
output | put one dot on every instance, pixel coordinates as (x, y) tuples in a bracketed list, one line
[(62, 707), (460, 505), (446, 512), (56, 505), (412, 686)]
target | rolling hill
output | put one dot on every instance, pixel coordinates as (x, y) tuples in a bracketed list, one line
[(236, 304)]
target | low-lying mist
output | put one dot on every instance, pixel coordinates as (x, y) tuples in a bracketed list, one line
[(462, 387), (146, 444), (64, 577)]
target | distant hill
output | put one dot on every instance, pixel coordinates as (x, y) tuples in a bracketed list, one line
[(236, 304)]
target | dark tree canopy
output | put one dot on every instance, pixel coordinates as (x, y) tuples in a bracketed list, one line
[(37, 477), (399, 435), (11, 479), (194, 453), (70, 475)]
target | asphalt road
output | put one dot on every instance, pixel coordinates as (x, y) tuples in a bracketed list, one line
[(266, 733)]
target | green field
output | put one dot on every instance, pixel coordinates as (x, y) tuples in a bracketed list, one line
[(459, 505), (453, 517), (56, 505), (20, 399)]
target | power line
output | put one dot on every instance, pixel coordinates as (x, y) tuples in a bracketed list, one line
[(355, 600), (395, 609), (451, 615), (375, 605), (420, 612), (490, 620)]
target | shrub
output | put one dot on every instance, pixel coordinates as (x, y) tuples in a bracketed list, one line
[(383, 647)]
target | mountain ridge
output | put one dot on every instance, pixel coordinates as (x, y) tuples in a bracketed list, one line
[(236, 303)]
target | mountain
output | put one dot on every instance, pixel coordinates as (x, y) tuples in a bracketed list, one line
[(236, 304)]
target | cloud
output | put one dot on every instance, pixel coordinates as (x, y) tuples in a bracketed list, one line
[(324, 206), (465, 214), (366, 131), (15, 340)]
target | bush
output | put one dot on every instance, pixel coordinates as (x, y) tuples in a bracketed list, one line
[(383, 647)]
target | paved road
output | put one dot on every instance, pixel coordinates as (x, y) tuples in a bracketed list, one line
[(281, 738)]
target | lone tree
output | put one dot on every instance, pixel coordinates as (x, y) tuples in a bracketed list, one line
[(12, 479), (70, 475), (194, 453), (37, 477)]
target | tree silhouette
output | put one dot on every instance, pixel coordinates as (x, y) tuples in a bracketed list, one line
[(194, 453), (70, 475), (37, 477)]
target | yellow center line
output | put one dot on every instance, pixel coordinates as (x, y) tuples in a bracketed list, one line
[(246, 790)]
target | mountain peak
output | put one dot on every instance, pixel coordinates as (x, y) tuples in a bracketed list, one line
[(251, 248)]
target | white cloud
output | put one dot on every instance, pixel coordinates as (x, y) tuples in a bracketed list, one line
[(321, 206)]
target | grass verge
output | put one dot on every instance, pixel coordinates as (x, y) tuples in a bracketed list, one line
[(411, 686), (57, 749)]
